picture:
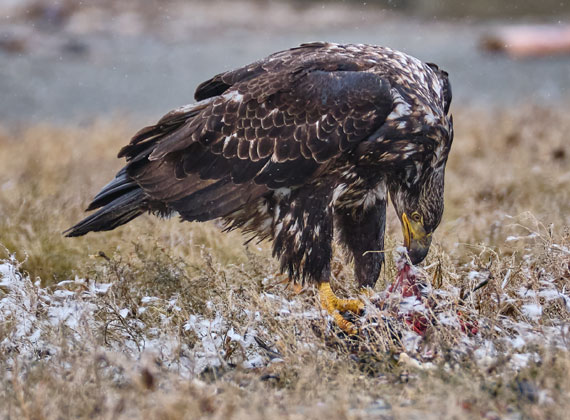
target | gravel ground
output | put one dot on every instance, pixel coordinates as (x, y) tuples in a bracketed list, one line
[(73, 65)]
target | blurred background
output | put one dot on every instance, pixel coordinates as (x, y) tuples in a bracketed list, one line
[(70, 61)]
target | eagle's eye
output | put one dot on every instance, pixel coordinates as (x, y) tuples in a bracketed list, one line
[(416, 217)]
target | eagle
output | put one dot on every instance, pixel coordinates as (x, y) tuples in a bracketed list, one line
[(302, 147)]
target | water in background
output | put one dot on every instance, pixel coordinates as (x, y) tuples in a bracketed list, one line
[(70, 61)]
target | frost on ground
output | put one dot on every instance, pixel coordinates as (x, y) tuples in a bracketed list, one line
[(44, 323), (495, 316), (36, 319), (514, 312)]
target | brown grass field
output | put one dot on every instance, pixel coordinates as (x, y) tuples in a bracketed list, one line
[(165, 320)]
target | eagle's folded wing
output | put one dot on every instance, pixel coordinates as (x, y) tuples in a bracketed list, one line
[(274, 129)]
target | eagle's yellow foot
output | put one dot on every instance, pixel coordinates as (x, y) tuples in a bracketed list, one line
[(335, 305)]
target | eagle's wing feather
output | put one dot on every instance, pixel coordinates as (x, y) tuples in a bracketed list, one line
[(271, 130), (282, 59)]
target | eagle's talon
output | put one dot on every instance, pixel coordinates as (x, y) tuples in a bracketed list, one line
[(354, 306), (345, 325), (335, 306)]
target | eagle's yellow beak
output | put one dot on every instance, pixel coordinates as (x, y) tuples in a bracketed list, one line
[(416, 240)]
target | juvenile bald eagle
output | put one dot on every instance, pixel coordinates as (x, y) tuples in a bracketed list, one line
[(294, 147)]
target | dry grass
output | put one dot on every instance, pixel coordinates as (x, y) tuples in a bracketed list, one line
[(162, 324)]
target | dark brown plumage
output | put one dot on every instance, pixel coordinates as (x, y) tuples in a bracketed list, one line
[(295, 147)]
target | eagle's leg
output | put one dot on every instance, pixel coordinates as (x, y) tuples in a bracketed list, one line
[(362, 233), (303, 234), (361, 230)]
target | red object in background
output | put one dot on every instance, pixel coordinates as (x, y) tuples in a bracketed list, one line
[(529, 40)]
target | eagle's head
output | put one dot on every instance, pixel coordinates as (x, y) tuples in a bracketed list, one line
[(417, 189), (420, 207)]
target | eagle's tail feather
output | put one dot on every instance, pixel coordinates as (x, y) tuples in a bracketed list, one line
[(122, 209), (119, 186)]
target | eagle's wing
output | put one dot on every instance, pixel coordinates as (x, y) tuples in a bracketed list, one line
[(273, 126)]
